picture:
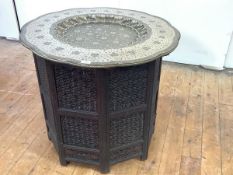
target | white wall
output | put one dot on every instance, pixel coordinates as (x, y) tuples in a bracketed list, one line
[(28, 9), (205, 25), (8, 22)]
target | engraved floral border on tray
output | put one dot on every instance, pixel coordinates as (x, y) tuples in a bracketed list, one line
[(162, 40)]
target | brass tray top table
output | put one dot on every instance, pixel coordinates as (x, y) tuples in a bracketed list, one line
[(99, 70)]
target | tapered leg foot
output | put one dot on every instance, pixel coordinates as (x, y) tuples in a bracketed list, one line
[(104, 169), (49, 137), (63, 162), (143, 157)]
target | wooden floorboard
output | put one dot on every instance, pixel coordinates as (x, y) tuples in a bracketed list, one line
[(211, 144), (193, 132), (172, 150)]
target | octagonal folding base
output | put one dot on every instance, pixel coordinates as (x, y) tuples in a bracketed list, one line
[(99, 116)]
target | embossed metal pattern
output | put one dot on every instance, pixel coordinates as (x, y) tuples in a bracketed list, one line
[(100, 31), (100, 37)]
